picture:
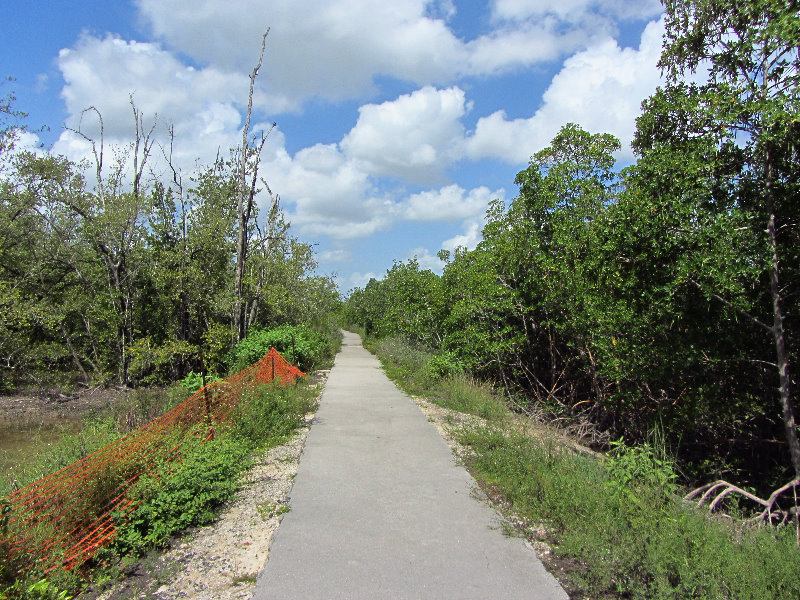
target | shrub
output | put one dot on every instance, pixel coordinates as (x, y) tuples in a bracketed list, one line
[(296, 343), (444, 364), (181, 495), (194, 381), (271, 412)]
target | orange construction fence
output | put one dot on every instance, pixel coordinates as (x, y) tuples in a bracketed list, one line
[(65, 518)]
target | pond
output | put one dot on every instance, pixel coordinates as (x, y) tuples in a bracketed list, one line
[(22, 438)]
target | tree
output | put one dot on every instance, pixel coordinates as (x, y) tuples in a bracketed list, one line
[(750, 105), (541, 251), (249, 159)]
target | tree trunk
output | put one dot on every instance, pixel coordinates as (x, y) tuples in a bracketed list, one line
[(242, 210), (785, 391)]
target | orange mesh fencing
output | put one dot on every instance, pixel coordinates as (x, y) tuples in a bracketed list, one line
[(65, 518)]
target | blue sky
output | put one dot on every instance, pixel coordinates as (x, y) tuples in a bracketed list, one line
[(398, 122)]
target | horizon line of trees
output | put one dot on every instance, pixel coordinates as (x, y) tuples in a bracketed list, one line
[(665, 296)]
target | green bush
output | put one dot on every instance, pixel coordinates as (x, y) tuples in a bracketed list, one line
[(444, 364), (181, 495), (271, 412), (299, 345)]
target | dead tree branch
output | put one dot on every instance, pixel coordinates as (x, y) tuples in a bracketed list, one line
[(712, 495)]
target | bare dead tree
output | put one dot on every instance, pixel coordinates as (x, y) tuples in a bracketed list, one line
[(114, 244), (249, 157)]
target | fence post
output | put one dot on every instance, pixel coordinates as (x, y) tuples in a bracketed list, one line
[(206, 395)]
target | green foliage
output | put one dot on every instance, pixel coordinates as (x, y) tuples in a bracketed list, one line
[(188, 493), (159, 364), (404, 363), (298, 344), (439, 377), (180, 496), (194, 381), (20, 579), (407, 303), (272, 412), (39, 590), (464, 394), (100, 282), (443, 364), (633, 467)]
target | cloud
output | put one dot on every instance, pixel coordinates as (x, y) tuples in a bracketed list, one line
[(600, 88), (338, 255), (329, 194), (413, 137), (195, 77), (426, 260), (359, 280), (506, 49), (335, 49), (574, 11), (106, 72), (469, 239), (450, 203), (203, 106)]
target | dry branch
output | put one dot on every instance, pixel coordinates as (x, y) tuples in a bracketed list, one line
[(714, 493)]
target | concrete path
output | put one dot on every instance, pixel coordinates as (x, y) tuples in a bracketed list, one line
[(379, 509)]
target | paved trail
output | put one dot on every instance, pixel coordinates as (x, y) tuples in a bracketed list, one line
[(379, 509)]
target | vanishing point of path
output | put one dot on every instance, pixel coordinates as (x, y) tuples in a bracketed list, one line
[(379, 509)]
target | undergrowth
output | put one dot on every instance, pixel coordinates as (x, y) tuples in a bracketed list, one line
[(176, 495), (618, 525), (187, 494)]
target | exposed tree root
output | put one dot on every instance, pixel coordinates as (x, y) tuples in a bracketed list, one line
[(778, 508)]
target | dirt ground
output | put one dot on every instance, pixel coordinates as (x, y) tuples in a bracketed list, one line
[(51, 404)]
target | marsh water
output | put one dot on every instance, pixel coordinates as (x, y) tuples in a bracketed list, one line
[(20, 437)]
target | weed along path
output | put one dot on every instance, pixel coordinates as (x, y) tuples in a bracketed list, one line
[(379, 509)]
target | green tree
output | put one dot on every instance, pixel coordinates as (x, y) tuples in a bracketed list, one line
[(750, 105)]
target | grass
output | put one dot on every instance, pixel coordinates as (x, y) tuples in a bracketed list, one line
[(618, 526), (413, 370)]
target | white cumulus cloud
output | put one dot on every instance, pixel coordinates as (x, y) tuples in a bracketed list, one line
[(450, 203), (600, 88), (469, 239), (413, 137), (334, 48)]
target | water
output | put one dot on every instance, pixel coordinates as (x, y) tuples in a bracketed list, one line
[(23, 438)]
